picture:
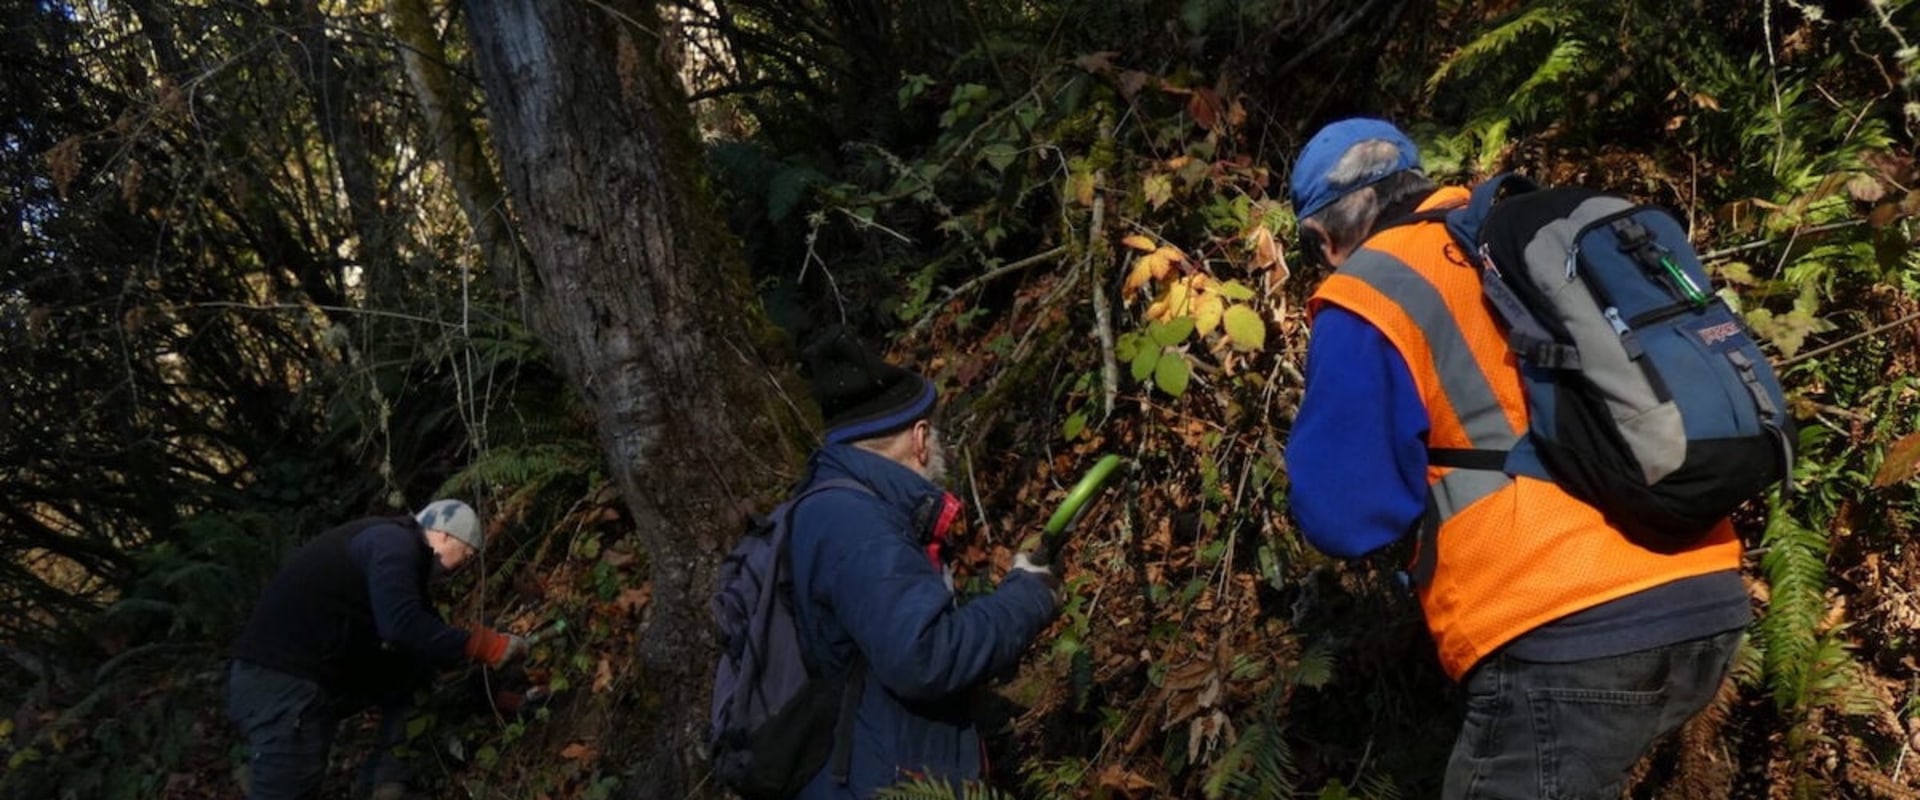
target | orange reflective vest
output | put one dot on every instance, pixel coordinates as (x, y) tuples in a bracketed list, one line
[(1498, 555)]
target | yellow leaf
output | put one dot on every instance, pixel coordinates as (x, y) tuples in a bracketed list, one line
[(1233, 290), (1245, 328), (1738, 273), (1158, 190), (1171, 253), (1158, 310), (1140, 242), (1143, 269), (1161, 266), (1206, 312), (1177, 299)]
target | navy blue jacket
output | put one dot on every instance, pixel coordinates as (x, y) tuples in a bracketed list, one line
[(862, 582)]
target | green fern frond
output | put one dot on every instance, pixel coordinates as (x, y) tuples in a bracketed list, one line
[(1541, 20), (135, 606), (1258, 766), (923, 789), (1057, 778), (199, 572), (1837, 680), (1315, 667), (1473, 150), (1546, 89), (1376, 786), (918, 790), (1750, 663), (524, 465), (1795, 566)]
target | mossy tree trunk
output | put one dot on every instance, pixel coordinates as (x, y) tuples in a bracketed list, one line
[(639, 290)]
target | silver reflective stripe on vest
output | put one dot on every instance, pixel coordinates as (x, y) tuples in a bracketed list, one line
[(1460, 488), (1466, 389)]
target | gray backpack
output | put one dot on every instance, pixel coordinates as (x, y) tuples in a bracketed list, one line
[(1648, 397), (775, 723)]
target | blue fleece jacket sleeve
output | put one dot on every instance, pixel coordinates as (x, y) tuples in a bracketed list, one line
[(898, 610), (1357, 456), (390, 557)]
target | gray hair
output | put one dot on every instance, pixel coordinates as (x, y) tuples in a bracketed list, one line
[(898, 446), (1349, 220)]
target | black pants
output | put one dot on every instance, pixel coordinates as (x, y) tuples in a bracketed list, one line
[(289, 724), (1539, 730)]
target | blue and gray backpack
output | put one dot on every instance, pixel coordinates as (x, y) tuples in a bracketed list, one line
[(775, 723), (1648, 397)]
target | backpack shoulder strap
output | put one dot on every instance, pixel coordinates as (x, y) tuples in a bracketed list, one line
[(840, 761), (1465, 223), (1428, 215), (1528, 338), (787, 509)]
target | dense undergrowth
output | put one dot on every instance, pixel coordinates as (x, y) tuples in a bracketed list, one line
[(1070, 215)]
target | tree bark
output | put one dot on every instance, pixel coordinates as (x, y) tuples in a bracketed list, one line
[(643, 298), (446, 106)]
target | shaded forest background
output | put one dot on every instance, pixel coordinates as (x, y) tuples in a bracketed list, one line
[(269, 266)]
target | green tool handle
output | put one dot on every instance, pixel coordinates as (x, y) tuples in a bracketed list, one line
[(1078, 500)]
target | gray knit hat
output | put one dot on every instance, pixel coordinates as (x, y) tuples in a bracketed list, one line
[(454, 518)]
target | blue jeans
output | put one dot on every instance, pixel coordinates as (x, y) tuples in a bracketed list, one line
[(1563, 731), (289, 724)]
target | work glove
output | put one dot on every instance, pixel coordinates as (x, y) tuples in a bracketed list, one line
[(493, 648), (1024, 562), (517, 647)]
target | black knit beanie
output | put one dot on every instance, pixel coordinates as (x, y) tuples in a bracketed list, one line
[(860, 395)]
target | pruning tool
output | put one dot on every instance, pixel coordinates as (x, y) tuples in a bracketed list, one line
[(552, 629), (1068, 515)]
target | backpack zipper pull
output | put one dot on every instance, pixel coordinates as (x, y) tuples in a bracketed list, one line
[(1613, 318), (1620, 329), (1486, 260)]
